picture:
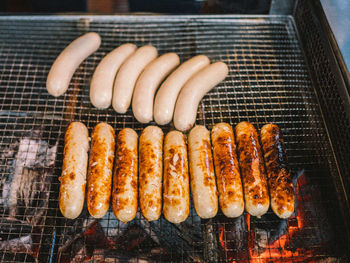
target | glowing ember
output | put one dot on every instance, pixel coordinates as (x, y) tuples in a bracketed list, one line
[(279, 249), (271, 239)]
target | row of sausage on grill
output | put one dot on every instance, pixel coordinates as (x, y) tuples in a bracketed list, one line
[(223, 167), (130, 74)]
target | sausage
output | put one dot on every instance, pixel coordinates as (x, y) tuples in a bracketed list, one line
[(73, 178), (68, 61), (147, 84), (252, 169), (127, 75), (278, 172), (193, 91), (100, 169), (203, 183), (150, 172), (227, 170), (124, 195), (164, 103), (101, 87), (176, 189)]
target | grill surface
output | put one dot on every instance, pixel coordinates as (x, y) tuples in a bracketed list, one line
[(268, 82)]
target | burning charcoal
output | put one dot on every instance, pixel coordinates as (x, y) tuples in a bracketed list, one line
[(134, 238), (280, 228), (116, 242), (211, 251), (135, 242), (83, 244), (191, 232), (304, 234), (112, 226), (233, 238), (170, 236), (312, 218), (261, 240), (268, 229)]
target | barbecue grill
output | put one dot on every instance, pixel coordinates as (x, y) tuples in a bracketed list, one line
[(283, 69)]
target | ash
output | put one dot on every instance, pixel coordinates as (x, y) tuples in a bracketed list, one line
[(24, 193)]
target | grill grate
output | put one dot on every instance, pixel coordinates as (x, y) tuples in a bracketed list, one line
[(268, 82)]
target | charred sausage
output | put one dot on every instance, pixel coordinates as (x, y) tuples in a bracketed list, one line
[(278, 172)]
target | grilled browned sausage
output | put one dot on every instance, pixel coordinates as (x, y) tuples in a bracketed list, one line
[(150, 172), (124, 194), (252, 168), (278, 173), (73, 178), (227, 170), (100, 169), (176, 192), (203, 183)]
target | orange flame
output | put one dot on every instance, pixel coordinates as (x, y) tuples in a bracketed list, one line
[(278, 250)]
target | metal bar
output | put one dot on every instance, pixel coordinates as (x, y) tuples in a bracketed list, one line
[(268, 82)]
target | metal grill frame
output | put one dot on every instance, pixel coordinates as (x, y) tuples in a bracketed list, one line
[(269, 82), (331, 80)]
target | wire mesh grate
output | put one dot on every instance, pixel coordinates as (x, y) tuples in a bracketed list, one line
[(268, 82)]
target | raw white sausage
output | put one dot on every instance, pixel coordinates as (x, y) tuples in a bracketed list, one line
[(164, 103), (194, 90), (151, 172), (203, 185), (147, 84), (124, 194), (101, 87), (100, 169), (127, 75), (73, 178), (68, 61), (176, 189)]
